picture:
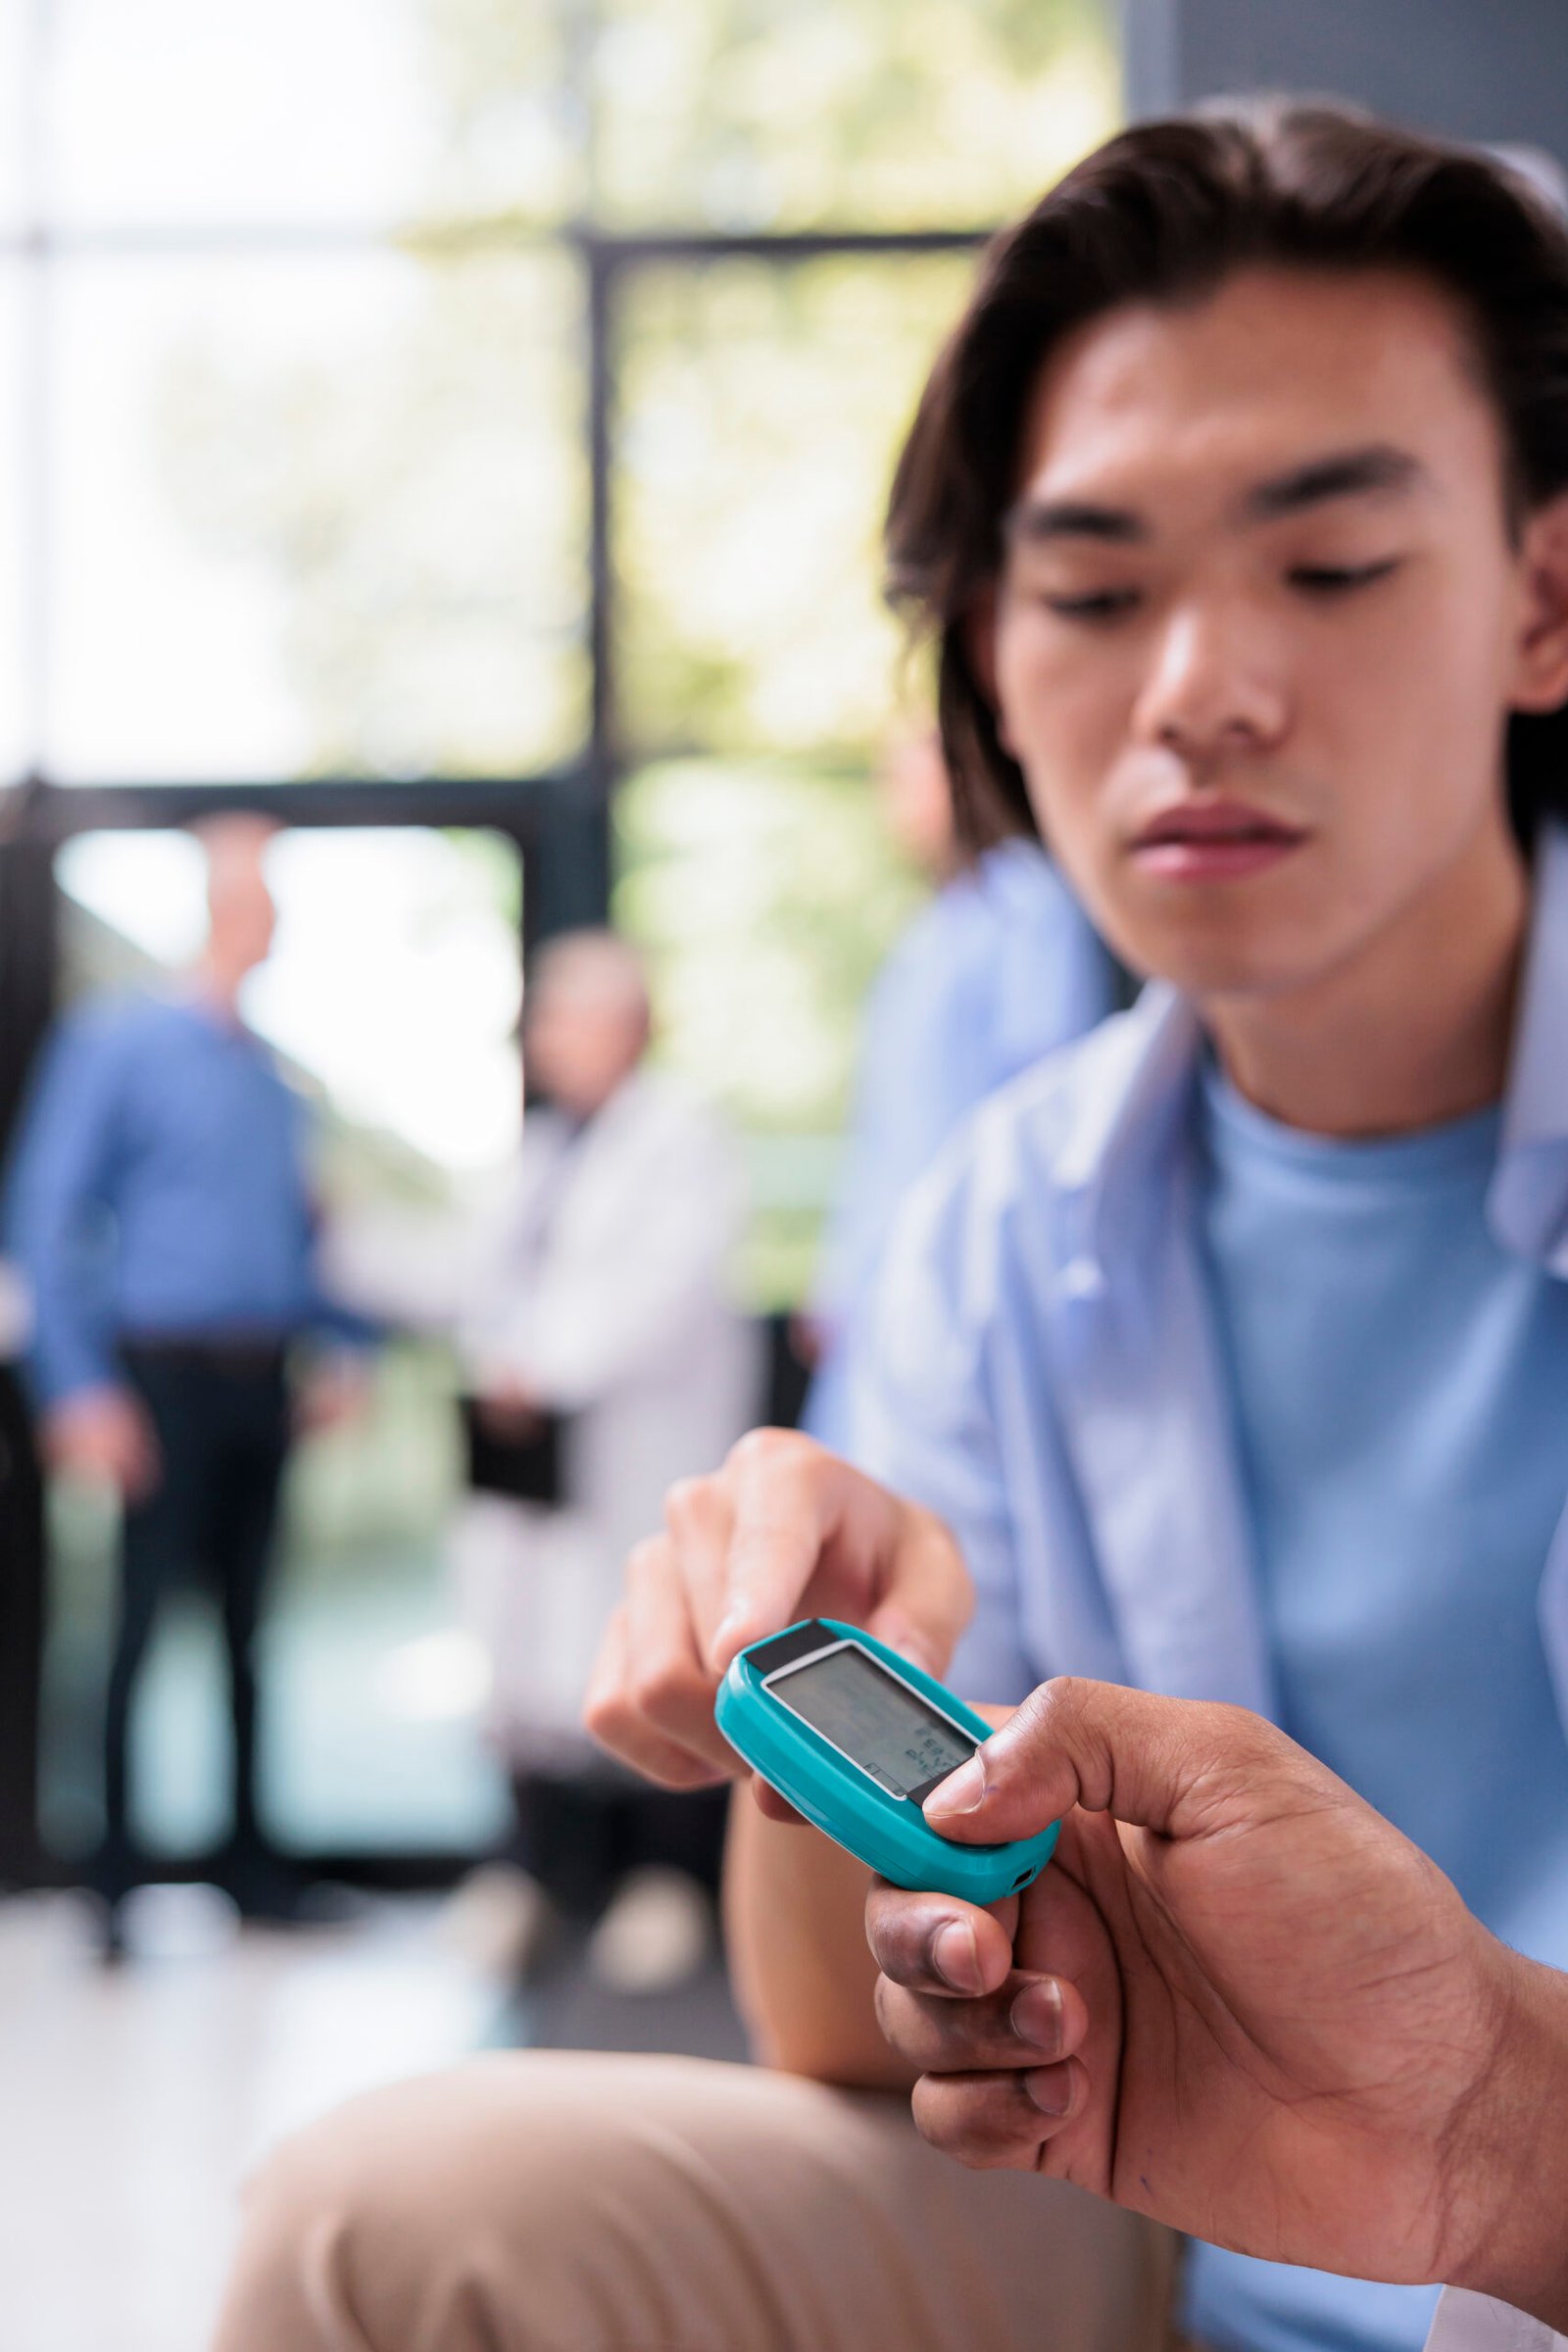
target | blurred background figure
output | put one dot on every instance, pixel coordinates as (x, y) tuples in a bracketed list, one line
[(605, 1359), (999, 968), (160, 1217)]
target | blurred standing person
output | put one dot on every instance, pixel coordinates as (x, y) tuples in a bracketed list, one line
[(998, 970), (605, 1361), (160, 1215)]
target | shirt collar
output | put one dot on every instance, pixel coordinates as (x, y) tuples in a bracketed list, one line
[(1528, 1205), (1123, 1125), (1131, 1121), (1538, 1079)]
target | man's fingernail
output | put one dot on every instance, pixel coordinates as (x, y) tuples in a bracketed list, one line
[(1036, 2015), (726, 1635), (1051, 2089), (909, 1641), (964, 1792), (955, 1956)]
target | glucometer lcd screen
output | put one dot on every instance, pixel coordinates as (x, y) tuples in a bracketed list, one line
[(875, 1719)]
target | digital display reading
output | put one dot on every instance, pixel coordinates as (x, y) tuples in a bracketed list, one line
[(883, 1727)]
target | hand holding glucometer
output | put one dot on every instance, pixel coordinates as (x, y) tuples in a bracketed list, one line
[(857, 1738), (785, 1530)]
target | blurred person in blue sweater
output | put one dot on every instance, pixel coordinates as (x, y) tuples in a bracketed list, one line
[(999, 968), (160, 1213)]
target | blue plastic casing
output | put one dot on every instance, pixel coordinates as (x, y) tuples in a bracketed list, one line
[(888, 1831)]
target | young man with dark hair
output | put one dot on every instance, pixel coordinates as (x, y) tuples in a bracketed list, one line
[(1231, 1344)]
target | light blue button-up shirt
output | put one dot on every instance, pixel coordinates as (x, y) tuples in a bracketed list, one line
[(1049, 1374)]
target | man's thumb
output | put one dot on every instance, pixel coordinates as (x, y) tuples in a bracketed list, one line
[(1129, 1754)]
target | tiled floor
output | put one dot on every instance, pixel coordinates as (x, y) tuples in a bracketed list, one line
[(132, 2100)]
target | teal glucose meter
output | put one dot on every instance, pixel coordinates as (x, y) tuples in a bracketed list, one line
[(857, 1738)]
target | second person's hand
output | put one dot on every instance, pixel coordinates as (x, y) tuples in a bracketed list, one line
[(784, 1531), (1238, 2000)]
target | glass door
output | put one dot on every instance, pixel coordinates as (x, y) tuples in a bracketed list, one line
[(390, 1001)]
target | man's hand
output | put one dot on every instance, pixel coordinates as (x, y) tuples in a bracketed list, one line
[(784, 1531), (1238, 2000), (103, 1435), (510, 1409), (334, 1393)]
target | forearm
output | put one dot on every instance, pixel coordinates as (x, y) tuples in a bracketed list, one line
[(804, 1976), (1522, 2257), (62, 1189), (70, 1346)]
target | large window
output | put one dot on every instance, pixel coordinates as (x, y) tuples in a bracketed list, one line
[(474, 416), (495, 389), (455, 389), (314, 511)]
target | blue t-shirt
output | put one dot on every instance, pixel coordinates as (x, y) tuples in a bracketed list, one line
[(1401, 1397)]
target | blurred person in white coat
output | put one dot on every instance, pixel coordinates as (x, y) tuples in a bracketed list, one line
[(605, 1359)]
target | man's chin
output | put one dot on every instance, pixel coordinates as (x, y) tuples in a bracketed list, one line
[(1237, 967), (1238, 937)]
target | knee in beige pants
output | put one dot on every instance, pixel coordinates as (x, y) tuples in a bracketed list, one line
[(556, 2202)]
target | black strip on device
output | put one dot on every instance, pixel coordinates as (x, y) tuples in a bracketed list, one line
[(797, 1643)]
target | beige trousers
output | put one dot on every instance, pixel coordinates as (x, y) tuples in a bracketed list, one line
[(556, 2202)]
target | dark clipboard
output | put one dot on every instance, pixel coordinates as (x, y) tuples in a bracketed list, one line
[(527, 1469)]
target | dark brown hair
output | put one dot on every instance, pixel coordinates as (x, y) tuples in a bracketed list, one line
[(1164, 212)]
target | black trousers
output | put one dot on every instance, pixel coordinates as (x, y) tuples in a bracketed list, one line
[(222, 1420), (579, 1834)]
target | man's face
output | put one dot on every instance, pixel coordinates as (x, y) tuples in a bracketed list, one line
[(581, 1042), (1259, 620), (243, 915)]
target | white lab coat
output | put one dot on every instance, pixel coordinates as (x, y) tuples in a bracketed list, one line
[(604, 1288)]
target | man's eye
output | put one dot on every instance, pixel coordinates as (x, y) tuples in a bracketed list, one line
[(1102, 603), (1336, 579)]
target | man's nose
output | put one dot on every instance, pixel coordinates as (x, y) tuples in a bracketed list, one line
[(1215, 686)]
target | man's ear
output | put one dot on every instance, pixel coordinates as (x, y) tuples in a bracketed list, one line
[(980, 651), (1540, 664)]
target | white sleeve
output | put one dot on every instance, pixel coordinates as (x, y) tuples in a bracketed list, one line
[(1467, 2323)]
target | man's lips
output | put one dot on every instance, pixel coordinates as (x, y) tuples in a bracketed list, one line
[(1214, 841)]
